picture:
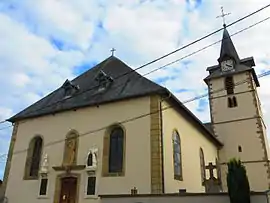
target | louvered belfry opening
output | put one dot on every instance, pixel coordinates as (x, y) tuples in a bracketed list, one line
[(229, 85)]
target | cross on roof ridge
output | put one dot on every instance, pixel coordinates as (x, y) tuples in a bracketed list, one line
[(113, 50)]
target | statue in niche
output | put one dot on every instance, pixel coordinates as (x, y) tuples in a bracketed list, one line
[(45, 165), (91, 162), (90, 159), (70, 151)]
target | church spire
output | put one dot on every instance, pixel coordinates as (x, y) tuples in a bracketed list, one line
[(227, 47)]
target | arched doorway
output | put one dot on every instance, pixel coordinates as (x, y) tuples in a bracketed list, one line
[(67, 188)]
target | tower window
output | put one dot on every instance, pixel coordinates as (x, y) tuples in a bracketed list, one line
[(239, 148), (229, 85), (232, 102)]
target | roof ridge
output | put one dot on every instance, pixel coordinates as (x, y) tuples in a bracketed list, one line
[(94, 67)]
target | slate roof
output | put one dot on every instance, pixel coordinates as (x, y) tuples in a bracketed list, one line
[(131, 85), (228, 50), (227, 47)]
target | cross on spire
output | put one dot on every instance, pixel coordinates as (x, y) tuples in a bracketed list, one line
[(223, 16), (113, 50)]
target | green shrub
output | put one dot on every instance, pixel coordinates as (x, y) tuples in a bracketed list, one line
[(237, 182)]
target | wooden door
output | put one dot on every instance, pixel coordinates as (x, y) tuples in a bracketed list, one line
[(68, 190)]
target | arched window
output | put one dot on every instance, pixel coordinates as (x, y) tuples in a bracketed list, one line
[(229, 85), (239, 148), (71, 148), (116, 150), (33, 158), (177, 161), (202, 163)]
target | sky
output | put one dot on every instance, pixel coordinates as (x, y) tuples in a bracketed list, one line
[(45, 42)]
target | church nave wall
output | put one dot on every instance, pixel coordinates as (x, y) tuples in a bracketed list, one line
[(53, 128), (191, 140)]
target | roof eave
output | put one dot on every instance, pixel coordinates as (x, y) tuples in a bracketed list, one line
[(256, 80), (203, 129), (212, 67), (206, 80), (220, 76), (249, 61), (19, 118)]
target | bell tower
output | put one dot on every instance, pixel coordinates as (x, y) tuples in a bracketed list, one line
[(236, 115)]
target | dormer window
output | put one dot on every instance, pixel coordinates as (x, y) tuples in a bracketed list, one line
[(69, 88), (103, 80)]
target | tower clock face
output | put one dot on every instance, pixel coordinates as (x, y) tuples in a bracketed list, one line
[(227, 65)]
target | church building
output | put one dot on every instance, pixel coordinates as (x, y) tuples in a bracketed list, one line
[(112, 131)]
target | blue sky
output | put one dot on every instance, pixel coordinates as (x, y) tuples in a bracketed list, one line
[(45, 42)]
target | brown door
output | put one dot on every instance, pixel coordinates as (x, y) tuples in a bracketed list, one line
[(68, 190)]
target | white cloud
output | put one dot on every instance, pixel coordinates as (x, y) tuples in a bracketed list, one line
[(58, 19), (5, 113)]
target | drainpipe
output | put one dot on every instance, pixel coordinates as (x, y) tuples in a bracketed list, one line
[(161, 129)]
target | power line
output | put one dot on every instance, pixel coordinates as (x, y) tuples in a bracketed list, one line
[(158, 59), (202, 38), (143, 115), (208, 46), (177, 60), (6, 127)]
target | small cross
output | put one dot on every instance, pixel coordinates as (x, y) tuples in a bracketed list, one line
[(113, 50), (211, 168), (223, 16)]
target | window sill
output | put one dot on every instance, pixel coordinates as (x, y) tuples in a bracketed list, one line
[(120, 174), (43, 197), (90, 197), (30, 178), (177, 177)]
